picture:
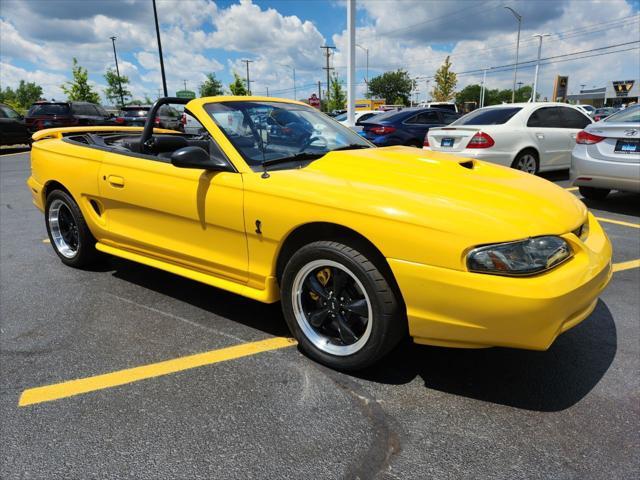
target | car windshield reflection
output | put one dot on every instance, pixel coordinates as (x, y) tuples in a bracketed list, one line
[(268, 133)]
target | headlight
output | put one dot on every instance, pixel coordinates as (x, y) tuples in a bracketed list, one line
[(524, 257)]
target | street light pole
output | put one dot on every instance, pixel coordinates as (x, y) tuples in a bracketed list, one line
[(366, 51), (535, 80), (164, 78), (484, 80), (113, 41), (515, 69), (351, 61)]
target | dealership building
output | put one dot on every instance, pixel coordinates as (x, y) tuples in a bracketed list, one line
[(615, 94)]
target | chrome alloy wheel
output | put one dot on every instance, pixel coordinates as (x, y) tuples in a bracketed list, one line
[(526, 163), (332, 307), (63, 228)]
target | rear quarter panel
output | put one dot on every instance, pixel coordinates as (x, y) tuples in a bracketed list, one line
[(75, 167)]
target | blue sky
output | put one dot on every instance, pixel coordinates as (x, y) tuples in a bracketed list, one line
[(38, 39)]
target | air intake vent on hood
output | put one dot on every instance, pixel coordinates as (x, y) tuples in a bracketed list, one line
[(467, 164)]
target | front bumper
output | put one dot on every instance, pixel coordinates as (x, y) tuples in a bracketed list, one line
[(615, 175), (462, 309)]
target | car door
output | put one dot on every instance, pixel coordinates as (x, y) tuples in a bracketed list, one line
[(13, 129), (189, 217), (545, 128), (573, 122), (418, 125)]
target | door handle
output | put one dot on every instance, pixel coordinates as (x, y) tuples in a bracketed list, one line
[(115, 181), (540, 135)]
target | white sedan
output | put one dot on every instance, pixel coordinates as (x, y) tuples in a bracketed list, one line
[(532, 137), (359, 116)]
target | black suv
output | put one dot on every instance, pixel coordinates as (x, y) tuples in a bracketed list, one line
[(66, 114), (136, 116), (13, 130)]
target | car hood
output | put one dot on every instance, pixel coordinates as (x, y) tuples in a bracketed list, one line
[(470, 198)]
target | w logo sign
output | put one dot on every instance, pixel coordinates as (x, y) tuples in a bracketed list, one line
[(622, 88)]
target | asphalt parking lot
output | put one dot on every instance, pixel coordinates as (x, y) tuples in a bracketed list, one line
[(252, 406)]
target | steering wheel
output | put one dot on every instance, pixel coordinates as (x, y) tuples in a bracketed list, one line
[(310, 141)]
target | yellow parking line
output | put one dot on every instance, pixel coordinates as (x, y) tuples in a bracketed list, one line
[(46, 240), (122, 377), (617, 267), (571, 189), (618, 222)]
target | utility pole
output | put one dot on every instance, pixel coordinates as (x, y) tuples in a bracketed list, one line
[(247, 62), (267, 91), (320, 93), (351, 62), (366, 50), (185, 84), (295, 92), (328, 68), (164, 78), (535, 80), (582, 85), (113, 41), (515, 69), (426, 93)]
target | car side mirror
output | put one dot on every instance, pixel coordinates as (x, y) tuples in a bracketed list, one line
[(198, 157)]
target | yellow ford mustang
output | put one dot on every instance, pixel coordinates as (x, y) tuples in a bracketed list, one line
[(363, 246)]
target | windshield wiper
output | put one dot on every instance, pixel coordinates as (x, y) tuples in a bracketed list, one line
[(351, 146), (294, 158)]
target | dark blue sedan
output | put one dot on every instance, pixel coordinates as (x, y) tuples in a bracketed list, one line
[(405, 127)]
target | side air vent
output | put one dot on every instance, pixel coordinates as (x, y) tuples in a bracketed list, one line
[(96, 207), (468, 164)]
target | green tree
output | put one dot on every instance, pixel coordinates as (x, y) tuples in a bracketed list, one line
[(112, 92), (79, 89), (445, 83), (470, 93), (238, 86), (211, 87), (337, 95), (22, 97), (392, 86)]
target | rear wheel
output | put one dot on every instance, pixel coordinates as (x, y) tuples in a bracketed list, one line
[(593, 193), (339, 306), (526, 161), (68, 232)]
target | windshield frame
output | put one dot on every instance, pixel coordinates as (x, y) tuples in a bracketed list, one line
[(244, 104)]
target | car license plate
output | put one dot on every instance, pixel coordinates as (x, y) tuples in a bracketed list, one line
[(627, 146), (446, 142)]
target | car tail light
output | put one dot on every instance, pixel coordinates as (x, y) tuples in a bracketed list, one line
[(119, 120), (481, 140), (586, 138), (382, 130), (183, 119), (157, 121), (425, 143)]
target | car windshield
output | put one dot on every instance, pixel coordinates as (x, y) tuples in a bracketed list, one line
[(270, 132), (49, 109), (340, 118), (628, 115), (488, 116)]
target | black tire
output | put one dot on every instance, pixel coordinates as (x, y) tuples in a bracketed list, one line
[(387, 318), (82, 251), (527, 161), (593, 193)]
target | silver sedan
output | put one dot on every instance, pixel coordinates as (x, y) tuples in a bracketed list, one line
[(607, 155)]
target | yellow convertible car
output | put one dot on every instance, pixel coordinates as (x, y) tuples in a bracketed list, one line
[(362, 245)]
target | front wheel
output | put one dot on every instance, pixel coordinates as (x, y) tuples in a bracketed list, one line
[(68, 232), (339, 306), (593, 193)]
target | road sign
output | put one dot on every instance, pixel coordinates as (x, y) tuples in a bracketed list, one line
[(314, 101), (185, 94)]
